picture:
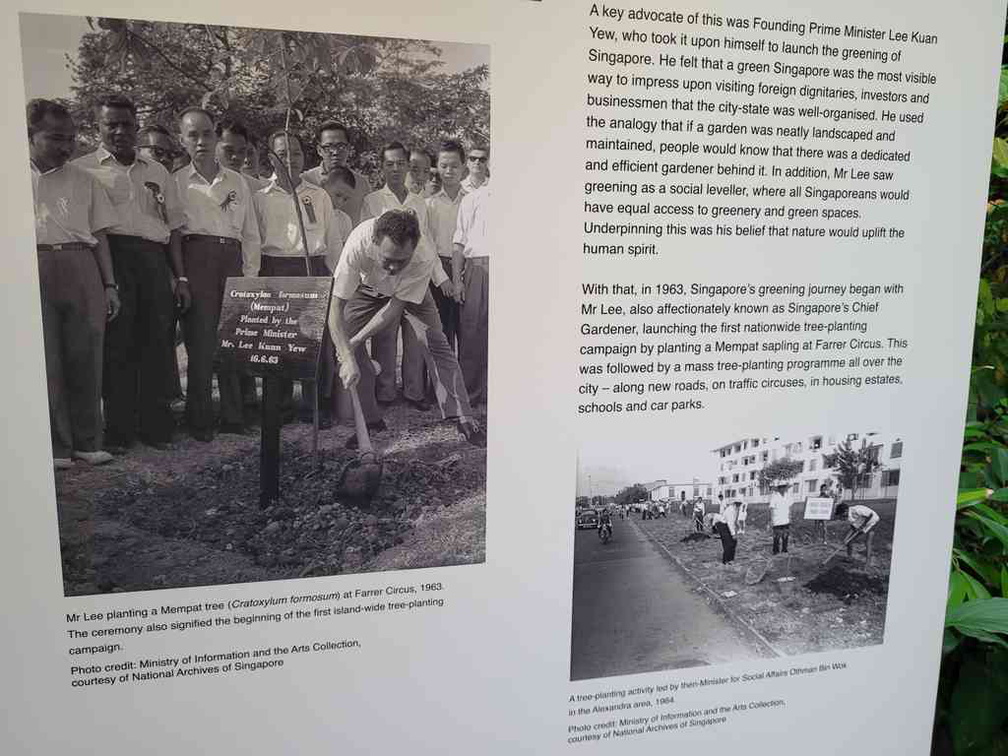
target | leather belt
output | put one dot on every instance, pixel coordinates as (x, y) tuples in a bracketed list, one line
[(65, 246), (222, 240)]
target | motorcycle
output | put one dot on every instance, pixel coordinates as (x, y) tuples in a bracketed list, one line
[(605, 532)]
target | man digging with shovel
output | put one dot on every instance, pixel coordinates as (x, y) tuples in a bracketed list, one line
[(382, 277)]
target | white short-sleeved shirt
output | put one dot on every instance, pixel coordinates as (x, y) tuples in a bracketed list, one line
[(70, 206), (727, 517), (442, 215), (360, 265), (862, 517), (327, 228), (143, 193), (780, 509), (471, 230), (384, 199), (221, 207)]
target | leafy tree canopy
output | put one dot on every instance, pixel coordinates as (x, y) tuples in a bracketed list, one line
[(779, 471), (382, 89)]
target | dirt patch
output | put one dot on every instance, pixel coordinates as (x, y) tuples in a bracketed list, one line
[(845, 585), (783, 605), (191, 516), (694, 537)]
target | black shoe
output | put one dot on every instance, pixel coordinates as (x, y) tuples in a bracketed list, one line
[(203, 434), (473, 432), (154, 443), (386, 402), (237, 429), (422, 405), (325, 422)]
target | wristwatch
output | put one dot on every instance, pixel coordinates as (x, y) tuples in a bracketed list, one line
[(112, 286), (183, 279)]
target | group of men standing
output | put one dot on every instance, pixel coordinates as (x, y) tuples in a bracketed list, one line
[(138, 234), (730, 521)]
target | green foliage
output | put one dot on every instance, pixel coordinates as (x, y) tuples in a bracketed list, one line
[(779, 472), (972, 709), (382, 89)]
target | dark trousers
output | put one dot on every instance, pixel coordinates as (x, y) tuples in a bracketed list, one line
[(414, 371), (137, 383), (295, 267), (473, 330), (728, 542), (208, 264), (780, 538), (384, 348), (73, 329), (442, 366), (448, 308)]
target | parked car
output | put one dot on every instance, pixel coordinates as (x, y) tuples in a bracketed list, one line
[(587, 518)]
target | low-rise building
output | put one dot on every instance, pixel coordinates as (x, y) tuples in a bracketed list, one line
[(738, 464)]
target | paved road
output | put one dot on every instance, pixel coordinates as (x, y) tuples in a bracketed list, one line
[(635, 612)]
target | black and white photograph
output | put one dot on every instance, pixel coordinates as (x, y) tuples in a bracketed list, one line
[(264, 269), (738, 549)]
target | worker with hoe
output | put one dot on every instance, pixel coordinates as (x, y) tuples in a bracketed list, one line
[(862, 521), (381, 279)]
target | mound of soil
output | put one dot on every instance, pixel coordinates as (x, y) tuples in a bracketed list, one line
[(695, 537), (845, 585), (310, 530)]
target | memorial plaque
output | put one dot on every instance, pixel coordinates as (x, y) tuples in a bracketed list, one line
[(272, 326), (818, 508)]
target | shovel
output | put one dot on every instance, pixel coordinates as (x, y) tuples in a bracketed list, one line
[(361, 477), (843, 545)]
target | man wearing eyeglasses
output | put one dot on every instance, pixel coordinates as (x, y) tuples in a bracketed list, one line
[(334, 148), (478, 163)]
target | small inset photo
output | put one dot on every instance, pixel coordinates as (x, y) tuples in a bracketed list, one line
[(731, 550)]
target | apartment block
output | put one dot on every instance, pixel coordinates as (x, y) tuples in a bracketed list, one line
[(737, 465)]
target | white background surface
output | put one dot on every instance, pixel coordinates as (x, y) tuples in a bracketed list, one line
[(490, 673)]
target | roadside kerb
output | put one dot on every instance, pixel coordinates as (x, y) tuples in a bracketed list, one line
[(754, 634)]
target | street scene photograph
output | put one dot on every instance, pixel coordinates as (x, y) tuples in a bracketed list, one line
[(264, 283), (734, 550)]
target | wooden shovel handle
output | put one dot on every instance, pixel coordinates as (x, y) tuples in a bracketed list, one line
[(363, 439)]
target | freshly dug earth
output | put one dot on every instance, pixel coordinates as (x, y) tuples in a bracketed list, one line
[(191, 516), (799, 605), (845, 585), (695, 537)]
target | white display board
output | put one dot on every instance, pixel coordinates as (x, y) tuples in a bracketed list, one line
[(730, 242)]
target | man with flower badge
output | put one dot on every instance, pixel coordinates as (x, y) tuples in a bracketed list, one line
[(137, 384), (220, 238), (76, 280), (283, 252)]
